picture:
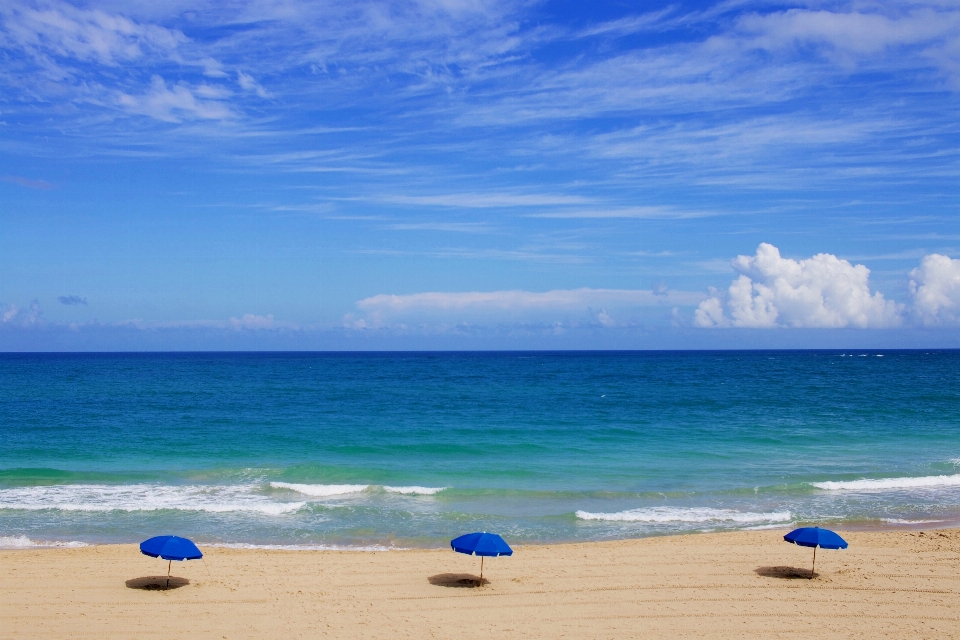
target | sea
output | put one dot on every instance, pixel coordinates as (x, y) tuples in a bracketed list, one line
[(373, 451)]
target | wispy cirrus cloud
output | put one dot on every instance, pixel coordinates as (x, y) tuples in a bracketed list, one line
[(857, 35), (540, 136), (27, 182), (64, 31), (488, 200), (648, 213), (178, 102), (455, 227)]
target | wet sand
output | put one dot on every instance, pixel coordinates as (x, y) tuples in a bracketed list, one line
[(897, 584)]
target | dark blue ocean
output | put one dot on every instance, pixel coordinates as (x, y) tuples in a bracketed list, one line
[(410, 449)]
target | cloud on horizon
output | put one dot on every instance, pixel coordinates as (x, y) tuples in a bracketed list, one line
[(824, 292), (518, 299), (935, 286), (820, 292), (557, 308)]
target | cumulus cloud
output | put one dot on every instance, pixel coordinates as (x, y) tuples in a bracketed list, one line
[(71, 300), (819, 292), (935, 287), (14, 316)]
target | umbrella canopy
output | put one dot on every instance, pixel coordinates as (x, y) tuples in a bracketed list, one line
[(170, 548), (816, 537), (481, 543)]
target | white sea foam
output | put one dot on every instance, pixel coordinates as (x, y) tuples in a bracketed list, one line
[(23, 542), (415, 491), (890, 484), (321, 490), (144, 497), (900, 521), (664, 515), (302, 547), (327, 490)]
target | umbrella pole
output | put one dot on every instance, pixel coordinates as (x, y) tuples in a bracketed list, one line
[(170, 562), (481, 571), (814, 562)]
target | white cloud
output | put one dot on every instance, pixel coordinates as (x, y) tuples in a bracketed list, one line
[(175, 103), (880, 36), (248, 321), (212, 68), (627, 26), (935, 286), (640, 212), (247, 83), (488, 200), (252, 321), (853, 32), (454, 227), (90, 35), (14, 316), (822, 292), (557, 309), (523, 300)]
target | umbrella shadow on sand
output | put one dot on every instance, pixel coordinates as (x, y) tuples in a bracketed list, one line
[(784, 573), (456, 580), (156, 583)]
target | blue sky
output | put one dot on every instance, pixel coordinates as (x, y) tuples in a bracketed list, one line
[(466, 174)]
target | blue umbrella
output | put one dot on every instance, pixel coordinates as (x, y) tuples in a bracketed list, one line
[(170, 548), (815, 537), (483, 544)]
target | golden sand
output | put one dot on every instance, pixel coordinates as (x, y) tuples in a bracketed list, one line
[(731, 585)]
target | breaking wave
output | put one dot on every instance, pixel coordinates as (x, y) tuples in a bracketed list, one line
[(664, 515), (326, 490), (890, 484), (144, 497), (211, 498), (23, 542), (301, 547), (415, 491), (321, 490)]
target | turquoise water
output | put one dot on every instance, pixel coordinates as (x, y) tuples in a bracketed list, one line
[(401, 449)]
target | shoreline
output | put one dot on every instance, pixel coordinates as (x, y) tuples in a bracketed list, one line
[(712, 585), (932, 525)]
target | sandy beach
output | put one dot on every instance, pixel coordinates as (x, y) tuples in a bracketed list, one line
[(901, 584)]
